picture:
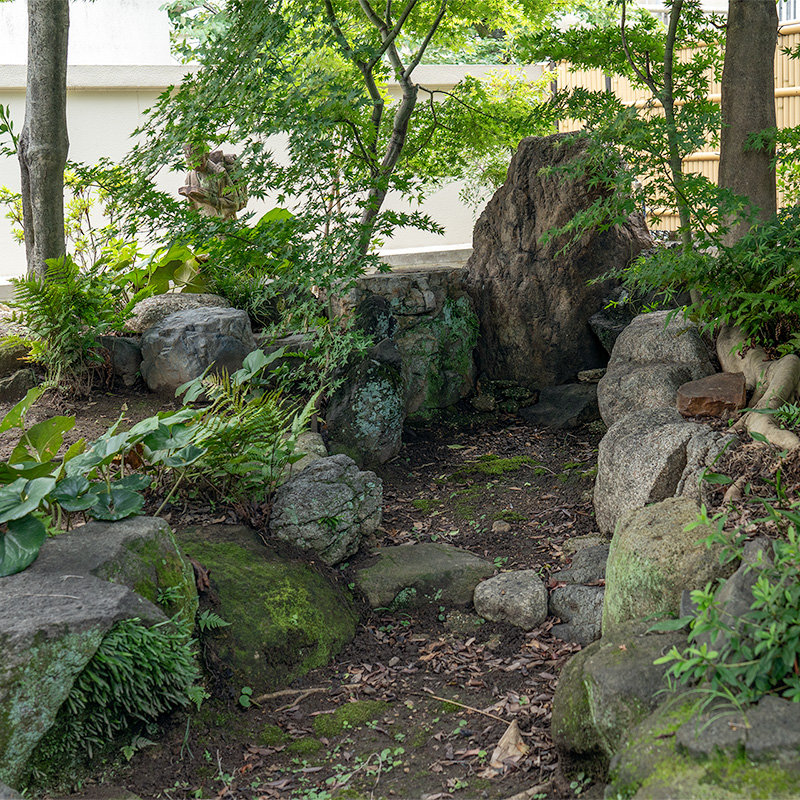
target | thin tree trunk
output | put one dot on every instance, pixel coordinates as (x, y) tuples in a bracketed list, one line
[(44, 143), (748, 106)]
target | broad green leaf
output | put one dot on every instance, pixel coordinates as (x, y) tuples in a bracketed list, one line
[(21, 544), (168, 438), (136, 482), (184, 457), (44, 439), (72, 494), (27, 469), (16, 415), (22, 496), (120, 503)]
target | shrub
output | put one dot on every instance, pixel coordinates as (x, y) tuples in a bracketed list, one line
[(755, 654)]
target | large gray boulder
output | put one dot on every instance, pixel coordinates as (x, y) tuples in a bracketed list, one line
[(54, 615), (650, 361), (152, 310), (653, 559), (328, 508), (649, 456), (533, 301), (182, 346), (421, 574), (517, 598)]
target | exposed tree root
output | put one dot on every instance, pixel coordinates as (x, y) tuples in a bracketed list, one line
[(773, 383)]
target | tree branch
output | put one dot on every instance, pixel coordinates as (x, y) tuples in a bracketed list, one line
[(646, 78)]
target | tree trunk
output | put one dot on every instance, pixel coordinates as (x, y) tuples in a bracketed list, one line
[(43, 143), (748, 106)]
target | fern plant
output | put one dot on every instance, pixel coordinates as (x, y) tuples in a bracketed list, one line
[(64, 313), (248, 434)]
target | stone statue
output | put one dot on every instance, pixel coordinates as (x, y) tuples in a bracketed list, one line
[(215, 184)]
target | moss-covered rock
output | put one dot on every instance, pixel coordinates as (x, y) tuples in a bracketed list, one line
[(653, 559), (652, 765), (286, 617), (607, 688), (54, 615)]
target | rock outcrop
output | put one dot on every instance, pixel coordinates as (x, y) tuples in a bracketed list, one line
[(534, 302)]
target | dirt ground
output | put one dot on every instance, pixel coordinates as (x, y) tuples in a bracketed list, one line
[(415, 706)]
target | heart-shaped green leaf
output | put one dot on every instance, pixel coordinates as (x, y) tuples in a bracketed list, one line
[(21, 544)]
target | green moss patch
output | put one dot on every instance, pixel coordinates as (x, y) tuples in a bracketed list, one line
[(492, 465), (305, 747), (351, 715), (286, 617)]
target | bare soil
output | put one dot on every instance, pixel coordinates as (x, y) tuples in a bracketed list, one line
[(415, 706)]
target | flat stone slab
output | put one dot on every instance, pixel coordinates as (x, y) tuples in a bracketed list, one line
[(719, 395), (413, 575), (565, 406)]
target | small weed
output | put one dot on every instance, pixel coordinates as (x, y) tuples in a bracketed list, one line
[(580, 783), (500, 561)]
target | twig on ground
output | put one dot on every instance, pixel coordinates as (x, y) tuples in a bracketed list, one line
[(288, 692), (462, 705)]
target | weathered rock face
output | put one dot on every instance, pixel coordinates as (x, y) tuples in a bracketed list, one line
[(126, 357), (649, 362), (365, 415), (578, 605), (329, 508), (648, 456), (607, 688), (404, 577), (653, 559), (153, 310), (184, 344), (533, 304), (428, 315), (286, 618), (54, 615), (518, 598)]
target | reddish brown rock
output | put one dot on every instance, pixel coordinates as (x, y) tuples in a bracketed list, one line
[(719, 395), (533, 300)]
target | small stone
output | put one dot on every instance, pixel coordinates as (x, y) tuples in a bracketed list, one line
[(591, 375), (518, 598), (718, 395), (501, 526)]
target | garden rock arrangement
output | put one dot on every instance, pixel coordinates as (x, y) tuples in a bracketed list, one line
[(533, 302), (651, 359), (611, 706), (425, 331), (54, 615)]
